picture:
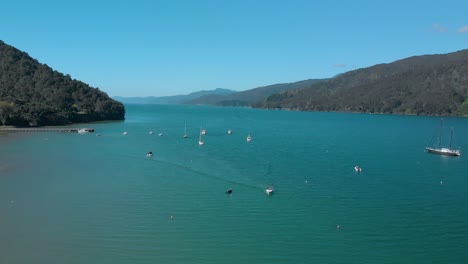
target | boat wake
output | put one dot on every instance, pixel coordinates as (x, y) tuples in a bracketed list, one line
[(191, 169)]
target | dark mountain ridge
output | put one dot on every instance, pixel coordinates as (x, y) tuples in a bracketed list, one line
[(423, 85), (33, 94)]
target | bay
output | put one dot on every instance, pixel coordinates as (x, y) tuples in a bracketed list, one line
[(83, 198)]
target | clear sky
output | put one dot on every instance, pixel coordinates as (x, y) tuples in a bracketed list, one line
[(144, 48)]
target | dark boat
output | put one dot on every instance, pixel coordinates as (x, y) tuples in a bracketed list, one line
[(229, 191)]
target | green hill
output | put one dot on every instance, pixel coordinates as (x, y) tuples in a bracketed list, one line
[(33, 94), (422, 85)]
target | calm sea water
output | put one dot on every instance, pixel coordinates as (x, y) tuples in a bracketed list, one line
[(71, 198)]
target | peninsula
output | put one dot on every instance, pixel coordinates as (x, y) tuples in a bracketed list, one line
[(33, 94)]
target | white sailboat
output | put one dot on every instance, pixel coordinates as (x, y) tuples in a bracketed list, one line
[(447, 151), (185, 132), (200, 140), (357, 168)]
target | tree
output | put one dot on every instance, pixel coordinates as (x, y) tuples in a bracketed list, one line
[(6, 108)]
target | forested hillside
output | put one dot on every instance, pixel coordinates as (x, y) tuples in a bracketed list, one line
[(33, 94), (422, 85)]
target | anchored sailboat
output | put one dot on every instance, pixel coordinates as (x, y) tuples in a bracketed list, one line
[(447, 151), (185, 132), (200, 140)]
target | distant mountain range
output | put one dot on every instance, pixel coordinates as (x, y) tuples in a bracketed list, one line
[(176, 99), (221, 97), (422, 85), (252, 96)]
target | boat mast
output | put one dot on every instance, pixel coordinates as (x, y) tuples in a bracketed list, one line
[(440, 132), (451, 136)]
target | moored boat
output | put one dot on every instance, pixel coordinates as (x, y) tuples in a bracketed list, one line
[(85, 130), (446, 151), (200, 140)]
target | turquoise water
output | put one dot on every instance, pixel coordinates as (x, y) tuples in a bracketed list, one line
[(70, 198)]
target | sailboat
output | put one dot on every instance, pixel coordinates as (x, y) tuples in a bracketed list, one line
[(185, 132), (200, 141), (447, 151)]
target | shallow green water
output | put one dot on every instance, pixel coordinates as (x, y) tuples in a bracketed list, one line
[(70, 198)]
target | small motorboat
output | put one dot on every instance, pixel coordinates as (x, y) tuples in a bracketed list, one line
[(149, 154), (357, 169), (229, 131), (82, 131), (160, 134), (151, 133), (203, 132), (229, 191), (125, 133), (85, 130), (269, 190), (249, 138)]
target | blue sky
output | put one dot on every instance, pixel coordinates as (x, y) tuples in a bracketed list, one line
[(157, 48)]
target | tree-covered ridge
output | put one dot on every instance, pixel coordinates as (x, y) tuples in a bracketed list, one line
[(422, 85), (41, 96)]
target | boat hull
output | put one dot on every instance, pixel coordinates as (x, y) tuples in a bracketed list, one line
[(445, 152)]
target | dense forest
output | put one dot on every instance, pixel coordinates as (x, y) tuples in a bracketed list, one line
[(421, 85), (33, 94)]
